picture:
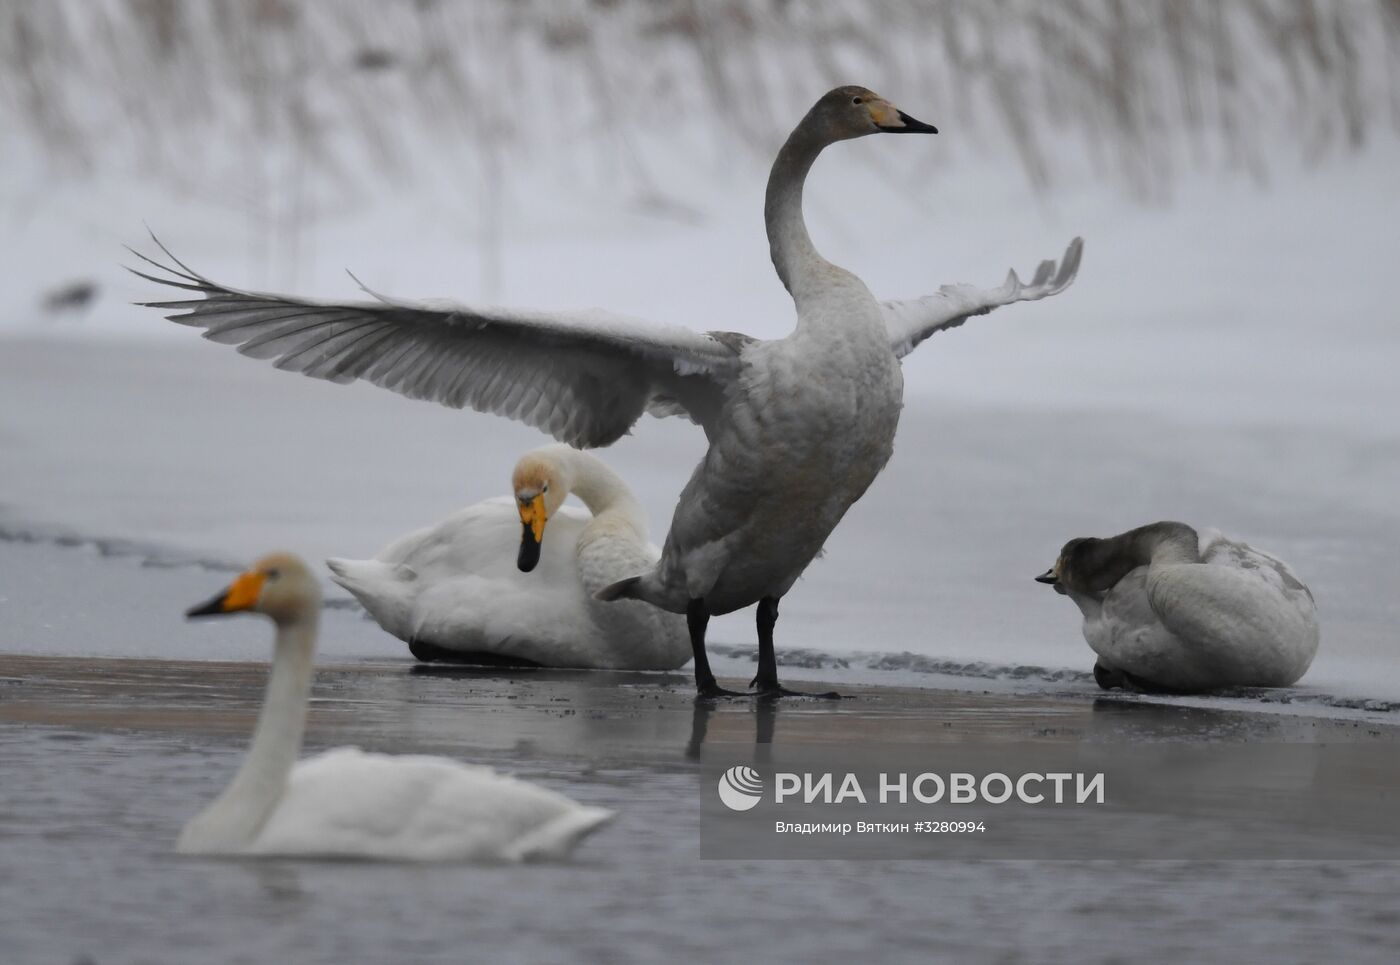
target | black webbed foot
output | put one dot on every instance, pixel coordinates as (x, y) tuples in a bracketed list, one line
[(1108, 678), (713, 691)]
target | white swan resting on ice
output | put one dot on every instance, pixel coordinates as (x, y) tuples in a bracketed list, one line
[(346, 803), (1166, 608), (798, 427), (490, 585)]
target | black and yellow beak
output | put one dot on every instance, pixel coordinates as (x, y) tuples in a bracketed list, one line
[(1051, 578), (532, 519), (242, 594), (896, 121)]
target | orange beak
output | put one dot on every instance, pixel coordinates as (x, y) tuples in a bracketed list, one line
[(242, 594)]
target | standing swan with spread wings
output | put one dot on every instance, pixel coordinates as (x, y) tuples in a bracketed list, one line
[(798, 427)]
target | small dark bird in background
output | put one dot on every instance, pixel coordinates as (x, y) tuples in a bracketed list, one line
[(74, 297), (375, 58)]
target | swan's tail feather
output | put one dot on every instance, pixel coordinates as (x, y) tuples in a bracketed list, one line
[(646, 588), (385, 590), (621, 590), (353, 574), (558, 837)]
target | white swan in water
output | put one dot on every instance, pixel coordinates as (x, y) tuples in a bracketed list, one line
[(1166, 608), (798, 427), (472, 588), (349, 804)]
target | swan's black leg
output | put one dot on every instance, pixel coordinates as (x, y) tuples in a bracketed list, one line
[(767, 679), (697, 618)]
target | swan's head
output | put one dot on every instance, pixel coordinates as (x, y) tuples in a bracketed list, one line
[(848, 112), (541, 485), (279, 585), (1090, 565), (1073, 569)]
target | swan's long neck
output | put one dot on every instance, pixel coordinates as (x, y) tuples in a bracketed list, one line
[(276, 745), (1157, 544), (602, 490), (794, 256)]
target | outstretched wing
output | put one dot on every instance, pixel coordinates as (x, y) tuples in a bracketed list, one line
[(910, 322), (583, 377)]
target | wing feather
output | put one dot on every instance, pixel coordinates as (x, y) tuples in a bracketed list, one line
[(583, 377), (910, 322)]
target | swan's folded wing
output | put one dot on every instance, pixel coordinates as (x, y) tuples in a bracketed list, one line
[(910, 322), (583, 377)]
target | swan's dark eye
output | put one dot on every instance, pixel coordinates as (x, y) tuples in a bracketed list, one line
[(273, 574), (545, 489), (857, 100)]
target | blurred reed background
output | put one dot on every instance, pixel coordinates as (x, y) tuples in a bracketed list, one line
[(1146, 86), (288, 111)]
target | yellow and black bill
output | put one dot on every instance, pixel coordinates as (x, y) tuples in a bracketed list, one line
[(891, 120), (241, 594), (1051, 577), (532, 520)]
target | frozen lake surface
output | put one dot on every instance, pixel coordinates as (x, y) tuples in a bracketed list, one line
[(105, 760)]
